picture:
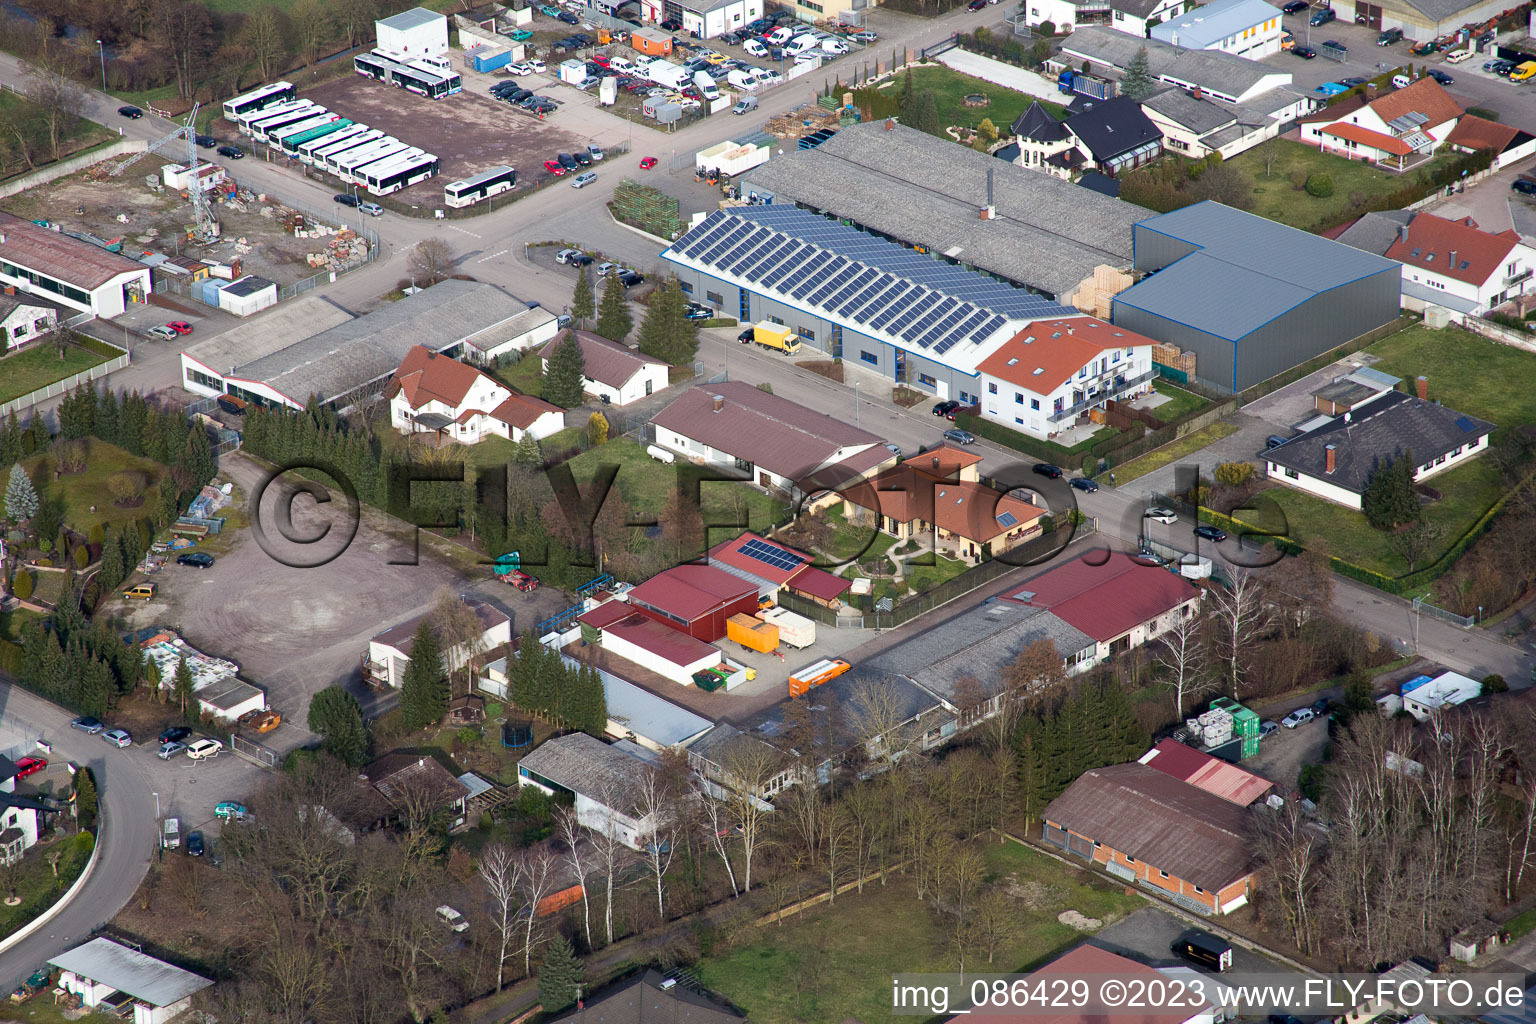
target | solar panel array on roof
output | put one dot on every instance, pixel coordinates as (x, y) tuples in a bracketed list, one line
[(811, 261), (770, 555)]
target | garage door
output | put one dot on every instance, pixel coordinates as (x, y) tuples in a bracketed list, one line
[(1368, 15)]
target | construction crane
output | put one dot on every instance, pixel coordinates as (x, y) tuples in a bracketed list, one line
[(206, 227)]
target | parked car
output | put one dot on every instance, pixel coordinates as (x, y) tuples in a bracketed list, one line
[(452, 918), (1298, 717), (1268, 728), (162, 331), (584, 179), (1084, 483), (87, 724), (976, 5), (672, 25), (175, 734), (580, 260), (630, 278), (140, 592), (747, 336), (1336, 45), (180, 326), (229, 810), (1523, 186), (537, 65), (118, 737), (520, 69), (197, 559), (564, 255), (204, 748), (695, 311), (894, 449), (1159, 514), (604, 269), (1304, 52), (194, 844), (1320, 706), (1210, 533), (1322, 17), (371, 209), (231, 152), (1045, 469), (563, 321), (553, 167), (594, 151), (131, 113), (1353, 82), (582, 158), (566, 160), (1274, 441), (206, 141), (1295, 6), (1440, 76), (945, 408), (960, 436), (646, 163), (30, 766), (170, 750), (867, 35)]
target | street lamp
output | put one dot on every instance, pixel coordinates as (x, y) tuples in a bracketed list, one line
[(101, 50)]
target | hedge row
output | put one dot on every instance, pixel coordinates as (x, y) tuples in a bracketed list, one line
[(97, 346)]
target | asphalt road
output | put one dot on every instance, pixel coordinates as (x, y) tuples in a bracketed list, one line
[(126, 837)]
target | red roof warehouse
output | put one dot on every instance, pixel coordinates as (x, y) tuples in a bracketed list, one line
[(695, 599)]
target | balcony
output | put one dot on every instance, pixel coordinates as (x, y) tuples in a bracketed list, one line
[(1514, 279), (1108, 387)]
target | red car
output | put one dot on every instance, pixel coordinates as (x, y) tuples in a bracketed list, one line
[(553, 167), (180, 326), (647, 163), (601, 59), (30, 766)]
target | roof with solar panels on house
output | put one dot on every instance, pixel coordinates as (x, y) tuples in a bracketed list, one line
[(869, 285)]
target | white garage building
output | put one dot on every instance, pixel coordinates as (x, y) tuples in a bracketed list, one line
[(67, 270), (413, 35), (109, 976)]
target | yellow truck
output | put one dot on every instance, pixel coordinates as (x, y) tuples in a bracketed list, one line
[(1524, 72), (752, 633), (777, 337)]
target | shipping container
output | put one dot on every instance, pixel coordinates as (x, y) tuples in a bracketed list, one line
[(1085, 84), (816, 674), (795, 630), (752, 633), (558, 901)]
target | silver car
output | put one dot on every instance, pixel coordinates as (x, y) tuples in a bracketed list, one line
[(170, 750), (118, 737)]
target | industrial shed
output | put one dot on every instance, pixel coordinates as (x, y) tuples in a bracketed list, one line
[(1250, 297), (695, 600), (111, 976)]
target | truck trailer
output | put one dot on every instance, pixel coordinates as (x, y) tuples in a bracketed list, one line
[(752, 633), (1085, 85), (795, 630), (824, 671), (731, 158)]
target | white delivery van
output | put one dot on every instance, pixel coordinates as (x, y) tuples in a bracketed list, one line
[(622, 65), (800, 44), (780, 35), (755, 47), (741, 80), (170, 834), (706, 86)]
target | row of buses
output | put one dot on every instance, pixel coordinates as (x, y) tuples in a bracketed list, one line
[(305, 131)]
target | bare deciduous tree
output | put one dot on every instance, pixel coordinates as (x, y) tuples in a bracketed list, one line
[(1182, 657), (430, 261), (51, 88), (461, 631), (749, 766), (262, 35), (573, 835), (500, 872), (537, 871), (715, 823), (653, 808), (1238, 615)]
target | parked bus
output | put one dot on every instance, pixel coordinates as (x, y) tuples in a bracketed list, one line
[(425, 81), (349, 166), (259, 128), (249, 122), (1205, 950), (403, 172), (331, 155), (291, 143), (266, 96), (360, 172), (279, 133), (481, 186), (309, 151)]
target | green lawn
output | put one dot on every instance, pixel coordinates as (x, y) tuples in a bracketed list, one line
[(524, 375), (950, 89), (35, 882), (1275, 198), (1466, 372), (1173, 451), (1469, 490), (86, 498), (1181, 402), (835, 961), (37, 367)]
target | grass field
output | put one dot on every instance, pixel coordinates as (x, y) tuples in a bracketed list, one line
[(1180, 403), (86, 498), (1466, 372), (1275, 198), (836, 962), (39, 366), (36, 885), (950, 89), (1173, 451)]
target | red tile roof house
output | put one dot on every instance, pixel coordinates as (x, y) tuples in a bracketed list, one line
[(939, 491), (449, 400), (1397, 131), (1455, 258), (1093, 964), (1147, 827), (1508, 143), (1042, 380), (779, 444), (779, 568), (615, 373), (1121, 603)]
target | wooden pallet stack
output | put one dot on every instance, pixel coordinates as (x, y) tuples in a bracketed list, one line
[(647, 208), (802, 121)]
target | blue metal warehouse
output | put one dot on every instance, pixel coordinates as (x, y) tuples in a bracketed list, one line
[(1251, 298), (912, 317)]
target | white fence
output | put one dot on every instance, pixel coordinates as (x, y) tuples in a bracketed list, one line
[(60, 386)]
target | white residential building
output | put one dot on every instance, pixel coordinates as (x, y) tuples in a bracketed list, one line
[(390, 651), (1054, 371), (1243, 28), (1423, 696), (115, 979), (436, 394), (603, 777), (22, 321), (1453, 263), (1399, 128), (614, 373)]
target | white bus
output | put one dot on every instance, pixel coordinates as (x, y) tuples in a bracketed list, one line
[(481, 186), (258, 127), (277, 133), (349, 166), (402, 172), (330, 158), (424, 80), (314, 147), (266, 96), (254, 116)]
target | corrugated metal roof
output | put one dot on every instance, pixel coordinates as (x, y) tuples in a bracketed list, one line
[(646, 715), (689, 591), (59, 256), (142, 976), (1212, 774), (1162, 821), (1208, 25), (663, 641)]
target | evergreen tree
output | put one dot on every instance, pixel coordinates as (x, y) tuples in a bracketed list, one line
[(567, 369), (68, 620), (11, 449), (338, 718), (597, 716), (132, 420), (667, 333), (582, 305), (528, 452), (613, 319), (50, 515), (112, 572), (182, 691), (86, 803), (424, 691), (1137, 82), (107, 417), (1389, 499), (559, 975), (925, 114), (522, 672), (20, 495), (97, 687)]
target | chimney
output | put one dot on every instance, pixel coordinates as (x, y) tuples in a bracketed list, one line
[(1423, 383), (935, 462), (890, 124), (1453, 260), (719, 402), (1329, 450), (1402, 232), (990, 171)]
